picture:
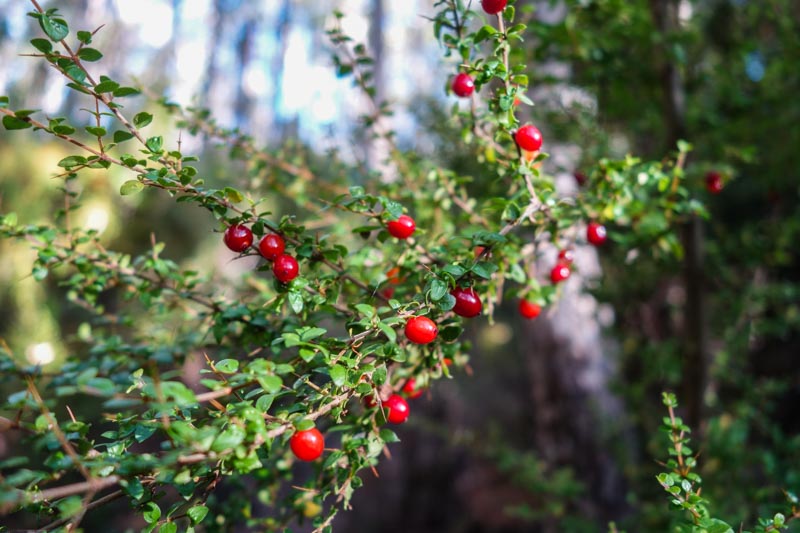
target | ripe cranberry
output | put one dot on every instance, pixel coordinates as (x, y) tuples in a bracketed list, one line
[(559, 273), (271, 246), (397, 409), (410, 389), (463, 85), (307, 445), (493, 7), (447, 361), (714, 182), (468, 303), (285, 268), (529, 138), (402, 228), (421, 330), (581, 178), (370, 401), (478, 251), (238, 238), (566, 256), (596, 233), (529, 309)]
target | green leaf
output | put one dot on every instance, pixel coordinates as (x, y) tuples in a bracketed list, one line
[(14, 123), (72, 161), (197, 513), (296, 301), (387, 330), (438, 289), (234, 196), (169, 527), (85, 36), (122, 136), (106, 86), (55, 28), (155, 144), (484, 33), (43, 45), (230, 438), (265, 402), (270, 384), (484, 270), (89, 54), (227, 366), (3, 101), (152, 513), (131, 187), (96, 131), (126, 91), (388, 436), (140, 120), (455, 270), (338, 374)]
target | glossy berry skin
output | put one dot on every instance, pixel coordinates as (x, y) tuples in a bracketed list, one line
[(528, 138), (271, 246), (596, 233), (307, 445), (493, 7), (397, 409), (421, 330), (566, 256), (468, 303), (410, 389), (238, 238), (402, 228), (285, 268), (529, 309), (463, 85), (714, 182), (559, 273)]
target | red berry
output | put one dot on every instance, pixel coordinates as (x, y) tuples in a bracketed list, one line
[(397, 409), (493, 7), (410, 389), (463, 85), (285, 268), (271, 246), (238, 238), (566, 256), (421, 330), (529, 138), (468, 303), (529, 309), (714, 182), (581, 178), (559, 273), (596, 233), (402, 228), (370, 401), (388, 292), (307, 445)]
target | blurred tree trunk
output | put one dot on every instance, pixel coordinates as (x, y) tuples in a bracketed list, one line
[(281, 36), (695, 337), (378, 149)]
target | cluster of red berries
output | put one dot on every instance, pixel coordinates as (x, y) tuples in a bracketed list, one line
[(463, 85), (239, 238)]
